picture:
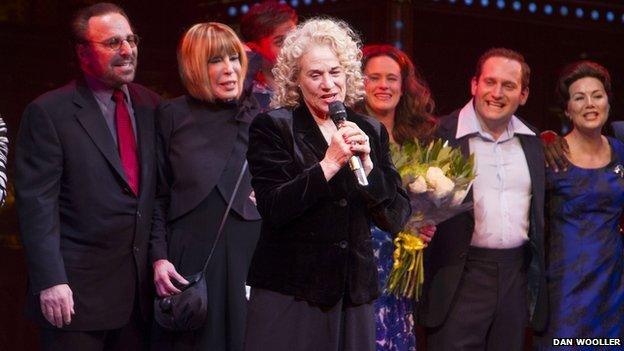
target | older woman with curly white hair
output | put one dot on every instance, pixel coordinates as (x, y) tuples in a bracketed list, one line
[(313, 273)]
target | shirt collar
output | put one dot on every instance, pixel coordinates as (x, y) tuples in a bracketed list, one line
[(468, 124), (103, 92)]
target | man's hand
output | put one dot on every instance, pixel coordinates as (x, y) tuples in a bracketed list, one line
[(57, 304), (164, 271), (555, 150)]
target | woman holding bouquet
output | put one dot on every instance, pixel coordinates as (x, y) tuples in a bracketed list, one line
[(586, 252), (313, 274), (400, 99)]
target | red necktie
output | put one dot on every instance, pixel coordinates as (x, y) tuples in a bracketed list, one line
[(126, 141)]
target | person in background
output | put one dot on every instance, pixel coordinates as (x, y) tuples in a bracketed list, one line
[(4, 153), (484, 269), (585, 258), (400, 99), (85, 180), (264, 28), (202, 141), (313, 274)]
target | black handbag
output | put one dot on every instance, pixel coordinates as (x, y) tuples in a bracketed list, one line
[(187, 310)]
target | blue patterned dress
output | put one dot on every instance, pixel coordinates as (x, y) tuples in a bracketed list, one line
[(585, 257), (394, 317)]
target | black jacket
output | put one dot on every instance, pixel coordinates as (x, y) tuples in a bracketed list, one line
[(315, 241), (196, 141), (80, 223), (446, 255)]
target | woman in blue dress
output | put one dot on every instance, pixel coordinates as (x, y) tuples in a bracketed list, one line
[(398, 98), (585, 259)]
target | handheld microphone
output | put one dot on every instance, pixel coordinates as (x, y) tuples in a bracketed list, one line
[(338, 114)]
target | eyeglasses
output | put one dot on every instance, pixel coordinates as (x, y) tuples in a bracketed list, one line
[(116, 42)]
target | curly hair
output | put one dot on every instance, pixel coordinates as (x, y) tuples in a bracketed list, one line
[(413, 118), (340, 38)]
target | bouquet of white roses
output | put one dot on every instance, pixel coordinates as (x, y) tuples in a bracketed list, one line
[(437, 178)]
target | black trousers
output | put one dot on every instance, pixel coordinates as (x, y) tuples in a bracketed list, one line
[(132, 336), (489, 311), (192, 237)]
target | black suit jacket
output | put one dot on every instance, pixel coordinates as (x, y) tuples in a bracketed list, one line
[(446, 255), (196, 141), (315, 239), (80, 223)]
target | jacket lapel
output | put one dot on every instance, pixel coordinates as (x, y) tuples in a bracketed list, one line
[(90, 117), (308, 132), (532, 148)]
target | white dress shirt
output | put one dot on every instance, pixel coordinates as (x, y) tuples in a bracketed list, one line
[(502, 187)]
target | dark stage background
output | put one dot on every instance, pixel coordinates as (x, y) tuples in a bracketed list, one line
[(444, 37)]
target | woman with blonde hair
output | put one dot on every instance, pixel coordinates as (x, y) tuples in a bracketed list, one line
[(202, 144), (313, 274)]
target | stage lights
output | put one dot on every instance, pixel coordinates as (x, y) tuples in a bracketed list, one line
[(595, 15), (610, 16), (601, 12), (548, 8), (564, 11)]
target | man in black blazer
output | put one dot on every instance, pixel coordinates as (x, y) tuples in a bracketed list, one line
[(85, 184), (484, 269)]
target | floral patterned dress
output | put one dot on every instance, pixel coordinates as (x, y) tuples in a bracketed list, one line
[(585, 257), (394, 317)]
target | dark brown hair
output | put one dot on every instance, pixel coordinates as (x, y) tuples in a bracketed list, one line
[(575, 71), (80, 21), (413, 118), (263, 18), (508, 54)]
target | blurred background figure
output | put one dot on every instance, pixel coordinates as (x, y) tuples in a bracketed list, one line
[(585, 250), (202, 144), (263, 29), (313, 275), (400, 99)]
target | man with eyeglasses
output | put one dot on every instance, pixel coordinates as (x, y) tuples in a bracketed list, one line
[(85, 183)]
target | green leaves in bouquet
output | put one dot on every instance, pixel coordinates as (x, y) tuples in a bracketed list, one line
[(413, 159)]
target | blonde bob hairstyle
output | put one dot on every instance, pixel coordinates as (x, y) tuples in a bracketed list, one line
[(198, 45), (340, 38)]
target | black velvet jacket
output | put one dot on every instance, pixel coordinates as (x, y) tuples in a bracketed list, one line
[(315, 242)]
